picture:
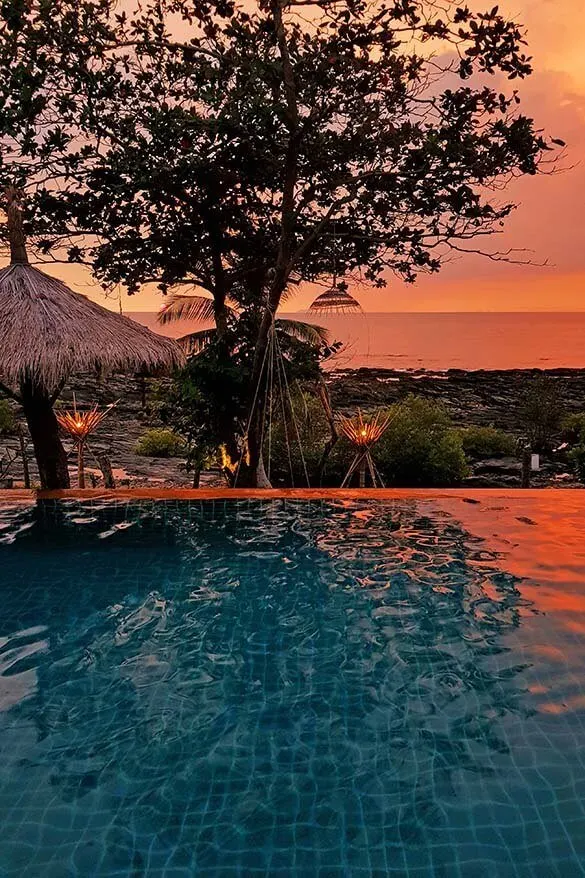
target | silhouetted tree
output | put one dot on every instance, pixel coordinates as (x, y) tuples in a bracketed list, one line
[(244, 150)]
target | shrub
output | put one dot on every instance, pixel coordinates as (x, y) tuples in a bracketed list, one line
[(420, 448), (573, 428), (577, 459), (481, 442), (7, 419), (541, 412), (160, 443)]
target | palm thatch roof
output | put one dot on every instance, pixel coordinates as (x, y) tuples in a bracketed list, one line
[(48, 331)]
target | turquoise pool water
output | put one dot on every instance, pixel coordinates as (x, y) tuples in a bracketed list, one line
[(290, 689)]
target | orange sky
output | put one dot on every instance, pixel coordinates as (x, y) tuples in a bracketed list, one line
[(550, 218)]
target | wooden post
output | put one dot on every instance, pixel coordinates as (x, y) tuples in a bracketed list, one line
[(23, 454), (80, 466), (105, 465)]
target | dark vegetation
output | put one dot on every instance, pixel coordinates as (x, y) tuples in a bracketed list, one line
[(419, 448), (158, 442), (7, 418)]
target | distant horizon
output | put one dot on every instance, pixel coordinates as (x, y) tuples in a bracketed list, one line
[(437, 340), (128, 311)]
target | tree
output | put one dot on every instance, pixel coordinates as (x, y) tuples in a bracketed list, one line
[(43, 53), (48, 129), (243, 150), (541, 412), (208, 401), (49, 138)]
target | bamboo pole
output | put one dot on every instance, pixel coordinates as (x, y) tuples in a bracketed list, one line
[(80, 465)]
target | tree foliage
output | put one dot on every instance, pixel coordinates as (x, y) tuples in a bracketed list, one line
[(7, 418), (480, 442), (208, 401), (541, 412), (159, 442), (229, 146)]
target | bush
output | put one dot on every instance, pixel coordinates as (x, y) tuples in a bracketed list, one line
[(7, 419), (573, 428), (160, 443), (481, 442), (541, 412), (577, 459), (420, 448)]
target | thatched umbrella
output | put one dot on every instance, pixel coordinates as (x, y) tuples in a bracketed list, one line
[(47, 331), (335, 301)]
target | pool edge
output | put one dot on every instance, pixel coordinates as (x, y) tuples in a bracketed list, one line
[(16, 496)]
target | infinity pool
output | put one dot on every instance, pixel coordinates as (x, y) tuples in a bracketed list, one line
[(276, 688)]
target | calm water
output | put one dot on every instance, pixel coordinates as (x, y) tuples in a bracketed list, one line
[(352, 689), (445, 341)]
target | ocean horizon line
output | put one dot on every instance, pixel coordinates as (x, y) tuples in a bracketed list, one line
[(128, 312)]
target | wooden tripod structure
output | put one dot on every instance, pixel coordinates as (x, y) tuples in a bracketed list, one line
[(80, 425), (363, 435)]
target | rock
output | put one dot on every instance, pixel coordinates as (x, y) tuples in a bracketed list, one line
[(501, 466), (492, 481)]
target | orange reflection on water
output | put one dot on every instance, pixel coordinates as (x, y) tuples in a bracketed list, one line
[(540, 537)]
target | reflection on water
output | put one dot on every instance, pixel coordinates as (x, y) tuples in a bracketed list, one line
[(285, 689)]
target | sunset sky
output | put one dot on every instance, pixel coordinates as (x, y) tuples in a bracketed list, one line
[(550, 218)]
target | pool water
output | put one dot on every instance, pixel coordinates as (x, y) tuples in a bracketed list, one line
[(289, 689)]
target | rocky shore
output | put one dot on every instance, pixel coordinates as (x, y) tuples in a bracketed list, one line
[(479, 398), (482, 397), (472, 398)]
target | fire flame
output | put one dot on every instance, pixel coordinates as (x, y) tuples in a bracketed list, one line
[(364, 433), (79, 425)]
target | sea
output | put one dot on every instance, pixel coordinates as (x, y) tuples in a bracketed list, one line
[(440, 341)]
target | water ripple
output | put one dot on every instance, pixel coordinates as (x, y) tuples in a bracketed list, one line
[(280, 689)]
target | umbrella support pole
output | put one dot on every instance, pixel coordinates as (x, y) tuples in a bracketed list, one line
[(80, 465)]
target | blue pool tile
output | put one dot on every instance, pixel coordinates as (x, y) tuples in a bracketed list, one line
[(284, 689)]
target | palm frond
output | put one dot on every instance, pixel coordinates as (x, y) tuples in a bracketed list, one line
[(308, 332), (186, 307), (195, 342), (292, 289)]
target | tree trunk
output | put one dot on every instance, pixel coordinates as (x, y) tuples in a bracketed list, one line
[(284, 262), (220, 314), (24, 456), (251, 473), (197, 470), (44, 431)]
